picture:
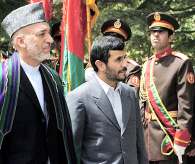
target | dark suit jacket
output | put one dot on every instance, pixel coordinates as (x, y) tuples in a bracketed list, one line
[(31, 139), (97, 134)]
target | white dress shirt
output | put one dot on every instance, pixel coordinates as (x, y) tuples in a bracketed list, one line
[(115, 99), (34, 76)]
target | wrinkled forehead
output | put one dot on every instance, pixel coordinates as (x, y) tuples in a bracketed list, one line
[(37, 27)]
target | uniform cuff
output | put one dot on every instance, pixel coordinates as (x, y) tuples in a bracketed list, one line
[(182, 137)]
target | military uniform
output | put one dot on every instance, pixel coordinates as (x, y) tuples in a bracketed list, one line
[(120, 29), (116, 27), (111, 27), (166, 94), (133, 74), (191, 160)]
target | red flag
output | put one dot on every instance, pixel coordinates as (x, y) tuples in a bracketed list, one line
[(47, 5), (73, 32)]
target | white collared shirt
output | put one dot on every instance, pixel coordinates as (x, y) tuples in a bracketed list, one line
[(115, 99), (34, 76)]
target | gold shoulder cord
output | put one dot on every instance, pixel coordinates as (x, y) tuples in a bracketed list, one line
[(142, 93)]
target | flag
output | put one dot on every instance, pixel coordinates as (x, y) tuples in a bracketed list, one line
[(92, 14), (73, 33), (47, 5), (73, 29), (94, 11)]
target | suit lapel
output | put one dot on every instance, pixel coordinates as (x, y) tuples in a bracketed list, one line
[(126, 105), (55, 93), (104, 104), (27, 88)]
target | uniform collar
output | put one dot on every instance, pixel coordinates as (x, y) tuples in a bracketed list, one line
[(165, 52)]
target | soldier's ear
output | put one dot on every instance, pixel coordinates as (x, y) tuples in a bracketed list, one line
[(171, 38)]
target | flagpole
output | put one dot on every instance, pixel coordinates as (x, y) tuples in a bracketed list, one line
[(88, 29)]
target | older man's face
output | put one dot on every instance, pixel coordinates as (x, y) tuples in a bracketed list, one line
[(37, 40)]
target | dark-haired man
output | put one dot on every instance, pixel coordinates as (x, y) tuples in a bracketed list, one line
[(119, 29), (105, 112)]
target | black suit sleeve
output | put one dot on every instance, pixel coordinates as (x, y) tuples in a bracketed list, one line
[(2, 156)]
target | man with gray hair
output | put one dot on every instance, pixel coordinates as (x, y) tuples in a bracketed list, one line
[(35, 126)]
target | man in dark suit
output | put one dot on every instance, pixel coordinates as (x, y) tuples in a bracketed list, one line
[(35, 123), (105, 112)]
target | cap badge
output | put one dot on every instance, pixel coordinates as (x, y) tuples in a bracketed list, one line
[(157, 16), (117, 23)]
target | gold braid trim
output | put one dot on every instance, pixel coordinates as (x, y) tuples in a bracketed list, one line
[(142, 93)]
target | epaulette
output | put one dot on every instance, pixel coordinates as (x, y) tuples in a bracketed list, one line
[(180, 55)]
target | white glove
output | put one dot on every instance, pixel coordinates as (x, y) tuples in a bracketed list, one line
[(179, 151)]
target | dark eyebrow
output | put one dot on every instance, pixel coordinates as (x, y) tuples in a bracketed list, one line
[(121, 57)]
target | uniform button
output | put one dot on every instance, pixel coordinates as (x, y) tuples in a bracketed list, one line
[(156, 62)]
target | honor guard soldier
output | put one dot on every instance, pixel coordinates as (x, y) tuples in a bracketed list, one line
[(120, 29), (166, 93), (112, 27), (117, 28), (191, 148)]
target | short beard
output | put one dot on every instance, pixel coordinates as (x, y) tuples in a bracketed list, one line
[(40, 56), (111, 76)]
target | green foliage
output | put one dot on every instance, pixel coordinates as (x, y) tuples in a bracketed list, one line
[(6, 7), (135, 14)]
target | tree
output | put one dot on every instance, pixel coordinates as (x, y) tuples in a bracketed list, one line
[(135, 13), (6, 7)]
